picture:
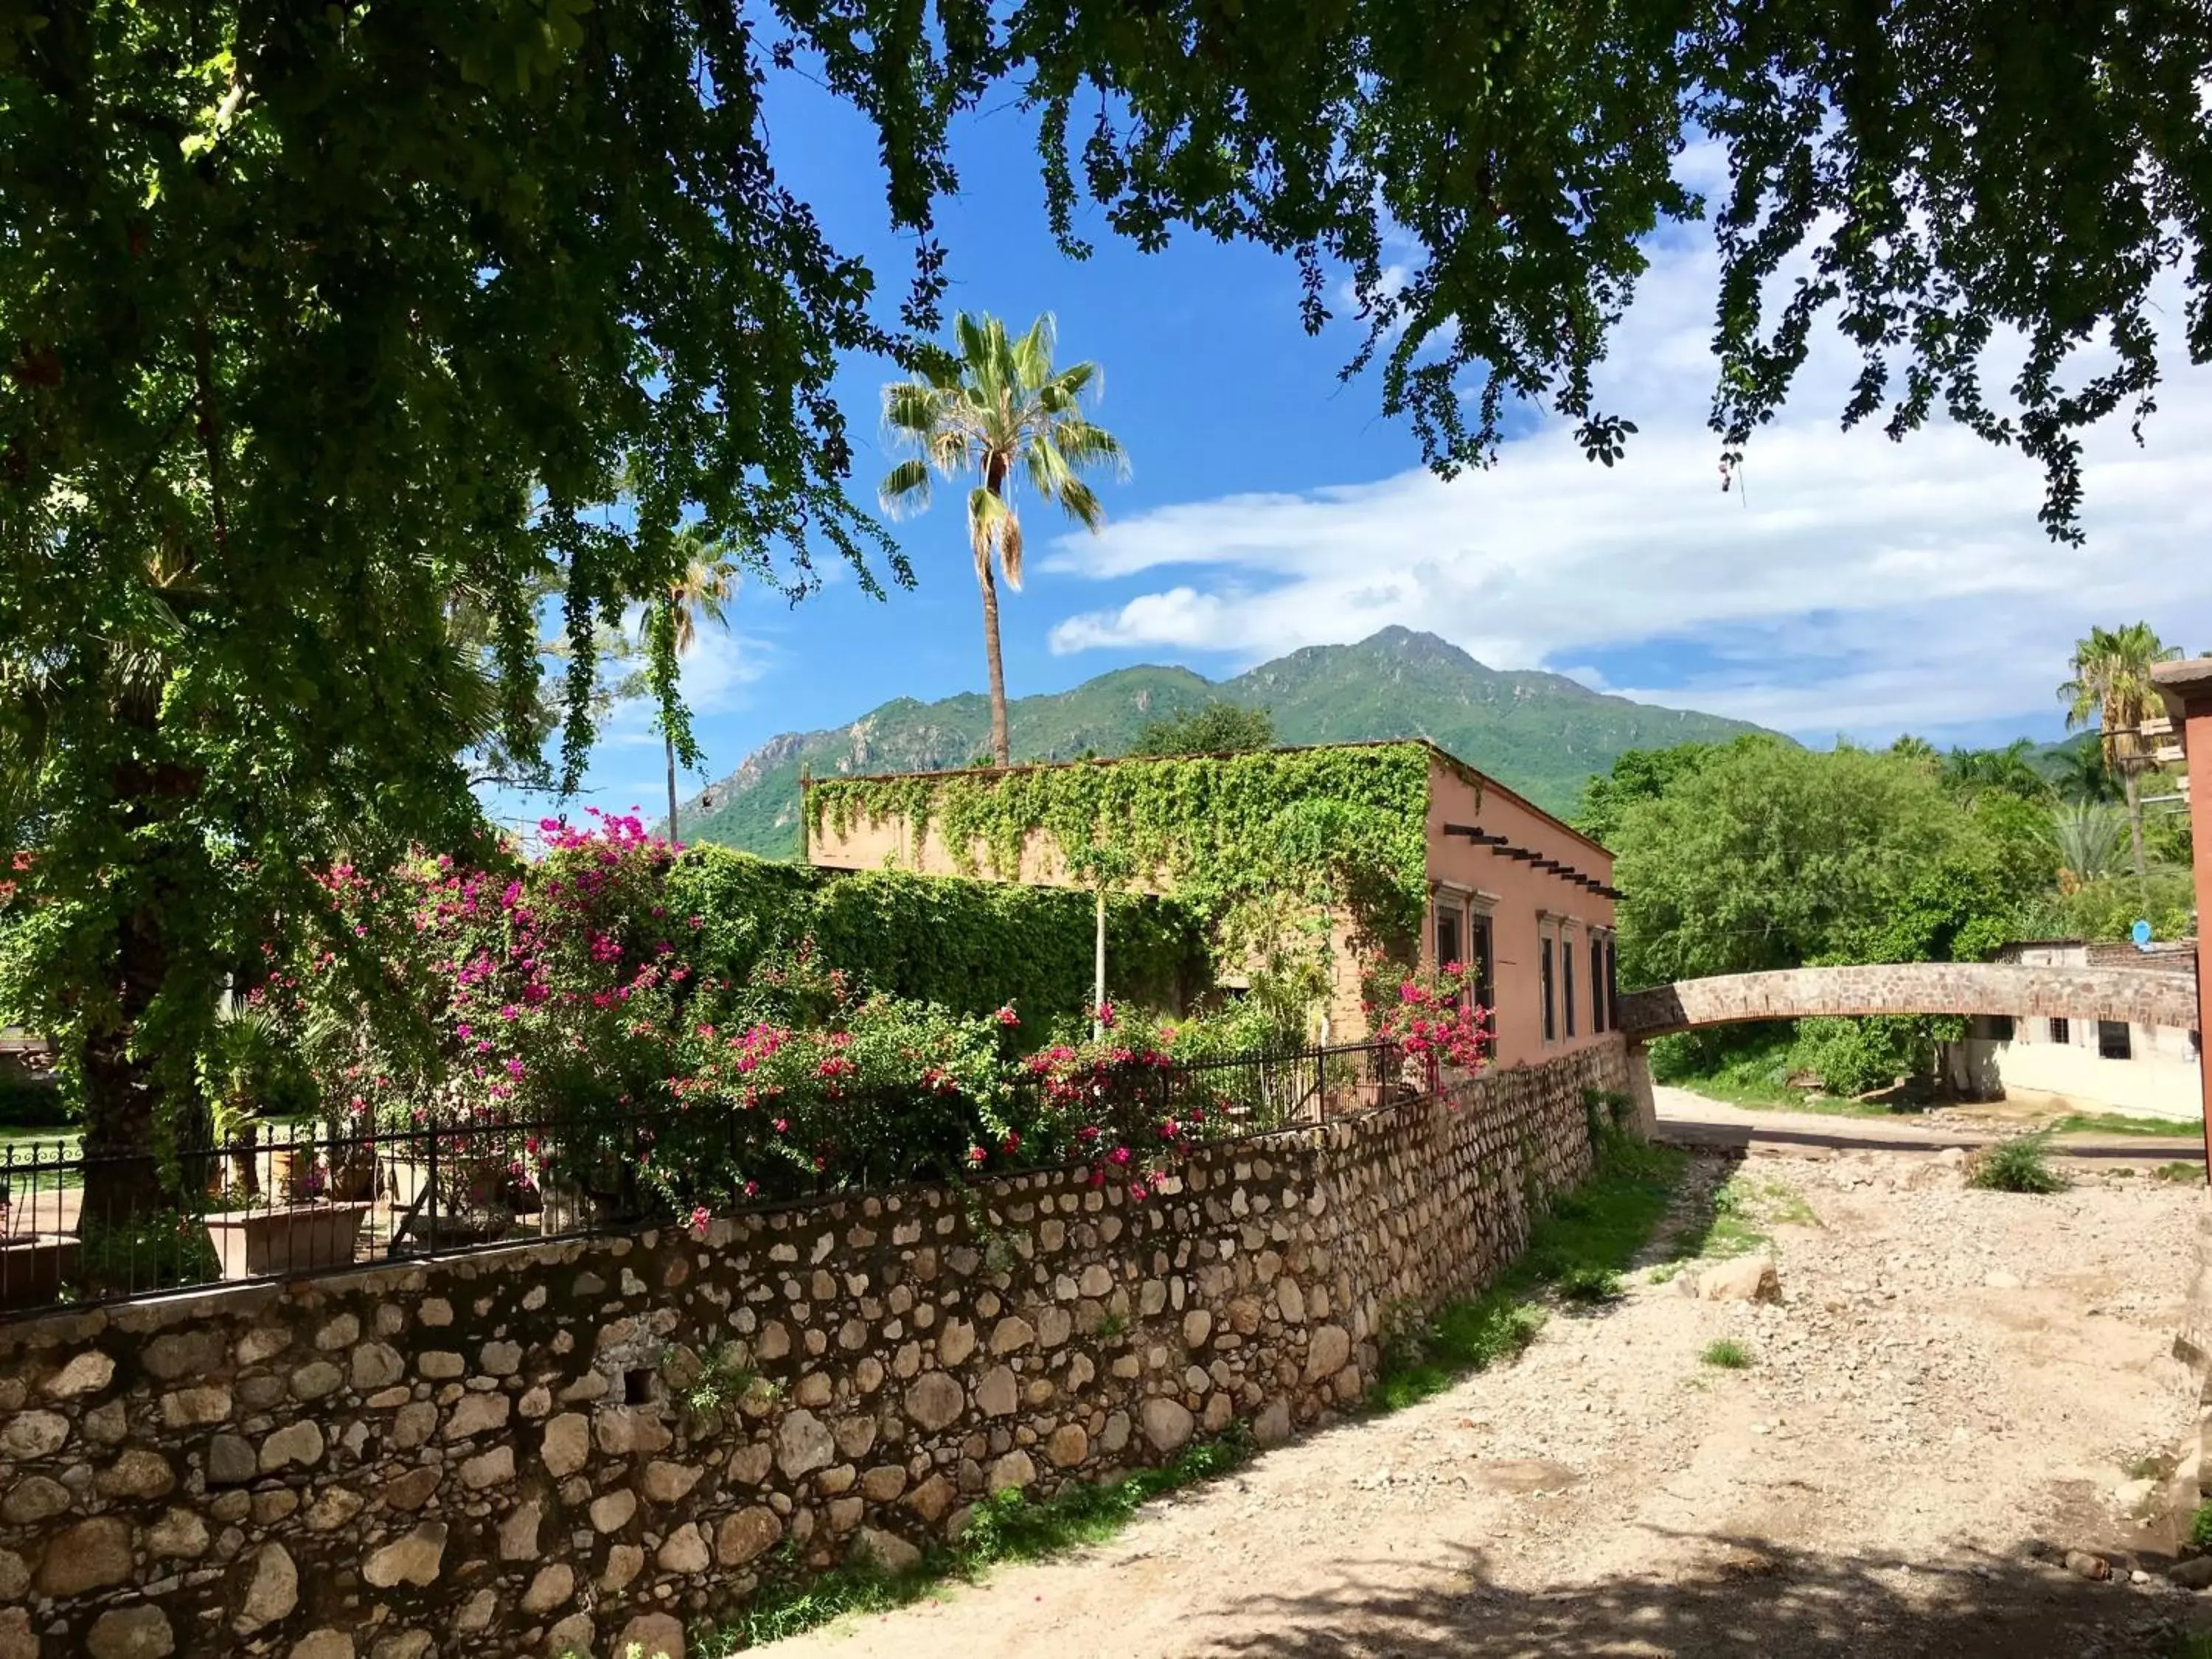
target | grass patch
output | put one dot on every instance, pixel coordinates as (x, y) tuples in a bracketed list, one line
[(1007, 1527), (1735, 1223), (2178, 1170), (2116, 1123), (1727, 1354), (2016, 1166), (2153, 1466), (2193, 1645), (1578, 1250)]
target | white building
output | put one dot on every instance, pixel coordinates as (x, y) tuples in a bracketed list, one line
[(2095, 1065)]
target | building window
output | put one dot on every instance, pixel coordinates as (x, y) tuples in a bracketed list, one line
[(2001, 1027), (1613, 983), (1567, 979), (2061, 1031), (1447, 935), (1544, 974), (1598, 983), (1486, 979), (2112, 1041)]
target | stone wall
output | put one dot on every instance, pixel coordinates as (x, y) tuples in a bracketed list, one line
[(1914, 988), (517, 1452)]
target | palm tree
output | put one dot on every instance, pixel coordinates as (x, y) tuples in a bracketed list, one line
[(2111, 686), (996, 406), (2080, 774), (1972, 773), (701, 594)]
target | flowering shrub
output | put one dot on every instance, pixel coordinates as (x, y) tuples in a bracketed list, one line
[(1433, 1018), (1109, 1102), (571, 1052), (874, 1090)]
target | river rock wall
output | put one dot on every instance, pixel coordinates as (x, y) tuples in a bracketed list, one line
[(567, 1447)]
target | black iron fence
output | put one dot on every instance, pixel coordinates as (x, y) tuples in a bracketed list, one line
[(279, 1199)]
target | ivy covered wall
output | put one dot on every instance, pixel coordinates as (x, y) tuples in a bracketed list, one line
[(1345, 825), (970, 945)]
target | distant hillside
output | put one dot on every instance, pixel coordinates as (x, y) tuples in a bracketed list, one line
[(1541, 734)]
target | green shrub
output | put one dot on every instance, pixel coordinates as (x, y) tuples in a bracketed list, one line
[(2200, 1527), (150, 1252), (1857, 1056), (29, 1101), (1727, 1354), (2016, 1166), (1588, 1284)]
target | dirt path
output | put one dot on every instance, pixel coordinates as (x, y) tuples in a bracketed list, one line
[(1953, 1387)]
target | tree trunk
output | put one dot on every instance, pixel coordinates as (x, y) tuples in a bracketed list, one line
[(669, 744), (122, 1178), (2133, 784), (999, 751), (124, 1108)]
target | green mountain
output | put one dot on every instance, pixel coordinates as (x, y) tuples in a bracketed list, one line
[(1541, 734)]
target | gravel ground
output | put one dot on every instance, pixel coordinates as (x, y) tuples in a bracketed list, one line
[(1947, 1399)]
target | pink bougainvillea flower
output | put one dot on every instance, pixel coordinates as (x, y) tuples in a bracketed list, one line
[(699, 1221), (976, 1155)]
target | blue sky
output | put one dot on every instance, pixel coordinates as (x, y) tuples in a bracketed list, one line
[(1854, 586)]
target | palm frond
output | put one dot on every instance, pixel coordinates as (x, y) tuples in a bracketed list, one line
[(1048, 467), (1087, 446), (905, 489), (1079, 503), (912, 409), (1065, 390), (1031, 354)]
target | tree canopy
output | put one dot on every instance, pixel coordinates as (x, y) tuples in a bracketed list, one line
[(324, 329), (330, 336), (1932, 175), (1219, 728), (1759, 854)]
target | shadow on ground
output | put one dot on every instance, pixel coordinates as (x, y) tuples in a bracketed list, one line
[(1746, 1598)]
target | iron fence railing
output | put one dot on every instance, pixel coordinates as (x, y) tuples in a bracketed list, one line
[(280, 1200)]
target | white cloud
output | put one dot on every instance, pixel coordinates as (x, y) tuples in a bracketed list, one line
[(1848, 583), (721, 666)]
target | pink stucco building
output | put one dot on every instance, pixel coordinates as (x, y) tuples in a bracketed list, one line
[(1512, 891)]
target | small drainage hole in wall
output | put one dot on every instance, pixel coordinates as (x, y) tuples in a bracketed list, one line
[(637, 1387)]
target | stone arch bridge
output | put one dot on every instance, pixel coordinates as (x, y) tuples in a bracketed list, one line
[(2139, 996)]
